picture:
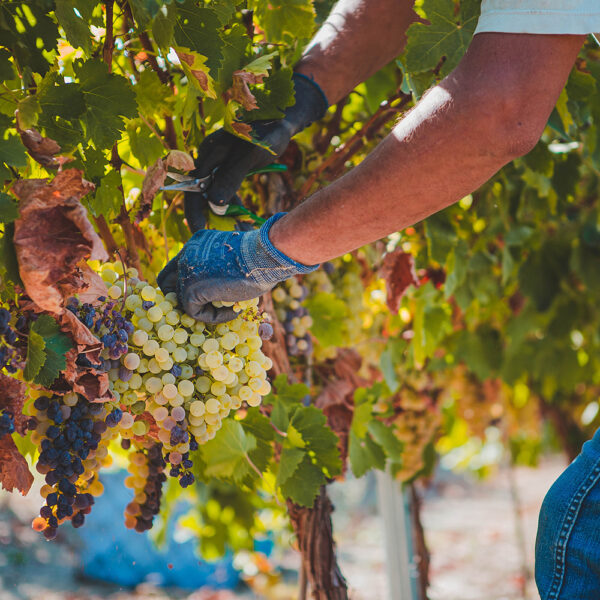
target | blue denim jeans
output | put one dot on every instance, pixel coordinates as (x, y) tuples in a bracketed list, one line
[(567, 562)]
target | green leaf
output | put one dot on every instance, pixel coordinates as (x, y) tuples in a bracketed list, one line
[(9, 210), (12, 152), (36, 357), (257, 425), (279, 416), (289, 461), (163, 26), (364, 455), (303, 486), (107, 200), (284, 20), (273, 96), (144, 144), (446, 37), (59, 99), (384, 436), (57, 344), (310, 423), (235, 44), (152, 96), (290, 395), (328, 314), (197, 28), (145, 10), (29, 109), (226, 455), (76, 28), (30, 35), (108, 98)]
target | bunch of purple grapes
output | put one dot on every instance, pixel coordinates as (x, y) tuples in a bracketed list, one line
[(72, 433), (111, 327), (12, 349)]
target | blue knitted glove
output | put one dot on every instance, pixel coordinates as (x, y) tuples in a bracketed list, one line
[(226, 266)]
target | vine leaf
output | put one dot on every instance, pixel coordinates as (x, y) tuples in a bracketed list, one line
[(309, 435), (328, 313), (41, 149), (36, 355), (195, 67), (12, 154), (398, 272), (76, 29), (182, 161), (289, 461), (153, 181), (227, 455), (284, 19), (446, 37), (240, 92), (52, 235), (56, 345), (109, 98), (14, 472)]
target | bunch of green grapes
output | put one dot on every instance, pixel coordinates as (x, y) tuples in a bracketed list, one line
[(180, 378)]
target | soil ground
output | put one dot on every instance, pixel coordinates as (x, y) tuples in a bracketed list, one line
[(471, 530)]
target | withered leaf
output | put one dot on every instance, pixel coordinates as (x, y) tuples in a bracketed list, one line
[(41, 149), (242, 129), (12, 396), (153, 181), (14, 471), (179, 160), (240, 92), (398, 271), (52, 235)]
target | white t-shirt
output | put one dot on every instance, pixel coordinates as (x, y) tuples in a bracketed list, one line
[(540, 16)]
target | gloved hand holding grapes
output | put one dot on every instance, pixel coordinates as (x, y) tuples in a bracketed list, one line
[(226, 266)]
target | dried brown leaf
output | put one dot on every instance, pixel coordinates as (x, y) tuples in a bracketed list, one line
[(14, 471), (182, 161), (52, 235), (153, 181), (41, 149), (240, 92), (398, 271), (12, 396), (242, 129)]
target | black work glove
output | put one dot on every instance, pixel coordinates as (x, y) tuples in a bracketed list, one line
[(230, 158)]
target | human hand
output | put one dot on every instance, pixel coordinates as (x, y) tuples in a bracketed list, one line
[(226, 266), (229, 158)]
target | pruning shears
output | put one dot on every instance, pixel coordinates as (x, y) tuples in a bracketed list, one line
[(201, 185)]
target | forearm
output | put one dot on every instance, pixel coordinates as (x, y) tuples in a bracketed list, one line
[(358, 38), (479, 118)]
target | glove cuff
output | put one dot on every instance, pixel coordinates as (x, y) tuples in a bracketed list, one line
[(311, 103), (265, 263)]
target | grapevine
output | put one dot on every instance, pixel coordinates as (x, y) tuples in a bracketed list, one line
[(483, 317)]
